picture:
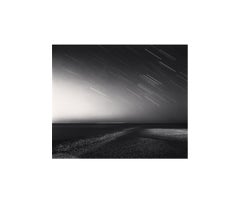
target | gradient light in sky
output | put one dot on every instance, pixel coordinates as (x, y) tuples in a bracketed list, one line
[(120, 83)]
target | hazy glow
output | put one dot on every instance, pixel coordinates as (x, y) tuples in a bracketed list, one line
[(74, 101)]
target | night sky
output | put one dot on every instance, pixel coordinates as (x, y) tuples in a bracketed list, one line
[(119, 83)]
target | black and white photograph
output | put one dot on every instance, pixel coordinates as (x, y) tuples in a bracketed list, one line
[(120, 101)]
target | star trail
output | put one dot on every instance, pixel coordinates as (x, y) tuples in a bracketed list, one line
[(120, 83)]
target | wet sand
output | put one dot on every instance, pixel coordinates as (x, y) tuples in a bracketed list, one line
[(130, 142)]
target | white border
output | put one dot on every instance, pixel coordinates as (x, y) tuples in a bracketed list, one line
[(28, 30)]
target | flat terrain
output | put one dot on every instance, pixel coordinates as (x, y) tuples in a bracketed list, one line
[(119, 141)]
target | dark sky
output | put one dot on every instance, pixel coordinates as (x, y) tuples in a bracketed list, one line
[(120, 83)]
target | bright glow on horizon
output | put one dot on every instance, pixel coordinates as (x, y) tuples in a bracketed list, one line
[(72, 101)]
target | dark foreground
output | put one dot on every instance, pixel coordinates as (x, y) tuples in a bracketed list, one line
[(119, 141)]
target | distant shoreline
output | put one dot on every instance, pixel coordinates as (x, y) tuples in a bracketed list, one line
[(159, 125)]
